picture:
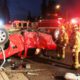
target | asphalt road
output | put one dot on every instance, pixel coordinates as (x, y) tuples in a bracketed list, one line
[(46, 68)]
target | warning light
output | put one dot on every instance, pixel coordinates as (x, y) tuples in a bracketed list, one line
[(74, 21)]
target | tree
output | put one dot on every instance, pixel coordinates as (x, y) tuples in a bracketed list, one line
[(51, 6), (52, 12), (43, 8)]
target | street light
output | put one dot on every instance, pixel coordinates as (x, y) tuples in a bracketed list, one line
[(57, 6), (57, 9)]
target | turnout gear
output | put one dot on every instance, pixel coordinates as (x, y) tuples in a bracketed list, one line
[(75, 41), (62, 42)]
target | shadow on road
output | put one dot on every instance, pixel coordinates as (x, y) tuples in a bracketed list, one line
[(59, 78), (54, 62)]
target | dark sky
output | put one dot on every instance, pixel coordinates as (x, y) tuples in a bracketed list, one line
[(19, 8), (70, 8)]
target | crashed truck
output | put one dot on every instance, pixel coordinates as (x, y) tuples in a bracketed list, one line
[(19, 38)]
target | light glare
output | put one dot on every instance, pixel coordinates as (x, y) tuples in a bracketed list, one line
[(73, 21)]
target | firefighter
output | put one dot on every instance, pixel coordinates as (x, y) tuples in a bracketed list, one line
[(62, 42), (75, 41)]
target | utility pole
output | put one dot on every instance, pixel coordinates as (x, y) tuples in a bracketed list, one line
[(53, 9)]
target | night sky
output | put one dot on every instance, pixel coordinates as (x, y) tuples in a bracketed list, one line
[(70, 8), (19, 8)]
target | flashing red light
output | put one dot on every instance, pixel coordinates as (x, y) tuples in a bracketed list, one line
[(74, 21)]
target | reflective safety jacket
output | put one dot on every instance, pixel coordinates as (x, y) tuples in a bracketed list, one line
[(62, 39), (76, 41)]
